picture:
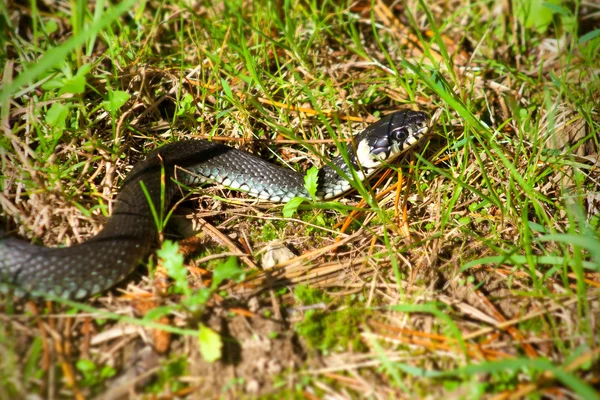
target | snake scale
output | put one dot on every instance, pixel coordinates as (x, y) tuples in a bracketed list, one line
[(85, 269)]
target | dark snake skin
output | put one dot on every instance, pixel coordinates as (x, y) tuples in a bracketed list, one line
[(91, 267)]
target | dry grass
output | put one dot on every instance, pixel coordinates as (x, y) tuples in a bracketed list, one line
[(470, 272)]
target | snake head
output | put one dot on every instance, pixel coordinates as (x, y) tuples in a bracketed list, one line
[(390, 136)]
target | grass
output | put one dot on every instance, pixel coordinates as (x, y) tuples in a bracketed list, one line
[(471, 270)]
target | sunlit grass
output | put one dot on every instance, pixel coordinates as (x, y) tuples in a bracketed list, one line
[(489, 250)]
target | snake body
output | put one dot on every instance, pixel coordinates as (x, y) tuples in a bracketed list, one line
[(93, 266)]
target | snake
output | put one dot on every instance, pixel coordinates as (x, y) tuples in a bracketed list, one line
[(128, 236)]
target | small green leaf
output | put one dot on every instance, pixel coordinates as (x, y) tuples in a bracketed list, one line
[(535, 13), (184, 105), (227, 89), (558, 9), (464, 221), (116, 100), (291, 206), (197, 299), (311, 180), (107, 372), (85, 365), (50, 27), (227, 270), (589, 36), (54, 83), (172, 260), (534, 226), (210, 344), (76, 84), (57, 115)]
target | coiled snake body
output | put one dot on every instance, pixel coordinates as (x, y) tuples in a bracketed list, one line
[(91, 267)]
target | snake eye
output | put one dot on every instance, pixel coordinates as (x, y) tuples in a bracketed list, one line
[(401, 135)]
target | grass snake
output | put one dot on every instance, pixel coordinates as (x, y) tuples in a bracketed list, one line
[(128, 236)]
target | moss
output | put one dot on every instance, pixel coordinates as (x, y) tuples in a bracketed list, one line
[(330, 330)]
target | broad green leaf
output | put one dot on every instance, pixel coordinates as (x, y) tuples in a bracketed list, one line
[(116, 100), (210, 344), (311, 180), (291, 206)]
